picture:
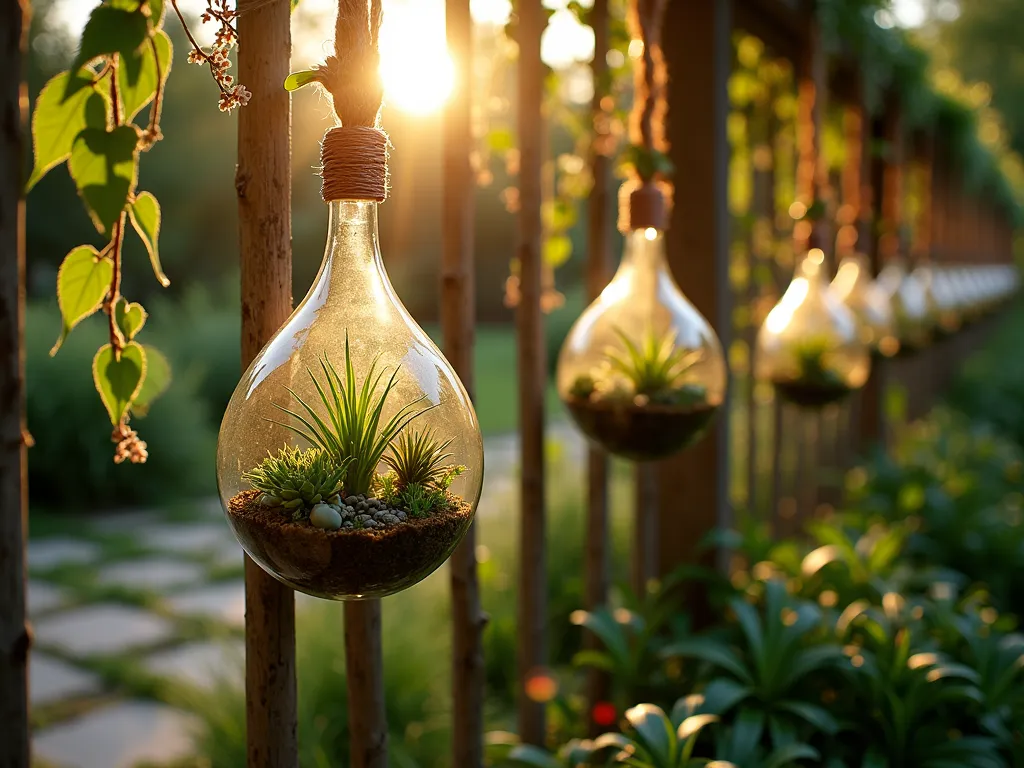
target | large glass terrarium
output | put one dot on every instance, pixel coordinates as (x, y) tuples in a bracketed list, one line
[(641, 371), (810, 346), (350, 461)]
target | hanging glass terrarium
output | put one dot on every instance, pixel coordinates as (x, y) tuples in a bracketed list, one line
[(857, 289), (349, 460), (810, 346), (910, 306), (641, 371)]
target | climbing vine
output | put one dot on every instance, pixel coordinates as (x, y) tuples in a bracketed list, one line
[(93, 117)]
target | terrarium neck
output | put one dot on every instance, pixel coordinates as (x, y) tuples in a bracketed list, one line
[(352, 234), (645, 248)]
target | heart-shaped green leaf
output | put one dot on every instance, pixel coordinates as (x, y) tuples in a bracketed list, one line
[(104, 165), (158, 379), (82, 282), (130, 317), (145, 215), (67, 104), (137, 75), (119, 381), (111, 29), (296, 80)]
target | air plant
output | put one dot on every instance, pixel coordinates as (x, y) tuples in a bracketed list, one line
[(352, 433), (655, 365), (417, 458), (297, 479)]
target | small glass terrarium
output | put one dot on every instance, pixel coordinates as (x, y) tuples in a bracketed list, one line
[(911, 306), (810, 347), (858, 290), (641, 371), (350, 461)]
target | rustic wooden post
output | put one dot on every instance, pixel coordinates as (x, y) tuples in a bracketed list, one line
[(364, 672), (596, 575), (693, 486), (532, 655), (15, 633), (457, 315), (263, 185)]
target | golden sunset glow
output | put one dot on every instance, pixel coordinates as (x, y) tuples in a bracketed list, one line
[(414, 63)]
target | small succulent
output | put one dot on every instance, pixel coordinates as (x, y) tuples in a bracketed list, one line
[(417, 458), (297, 479), (583, 387), (655, 365)]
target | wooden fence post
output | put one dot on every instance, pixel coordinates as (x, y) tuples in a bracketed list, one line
[(457, 316), (263, 185), (532, 608), (364, 672), (15, 633), (693, 486), (597, 556)]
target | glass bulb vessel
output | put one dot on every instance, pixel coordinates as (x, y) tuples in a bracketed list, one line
[(349, 460), (641, 371), (811, 347), (857, 289), (911, 306)]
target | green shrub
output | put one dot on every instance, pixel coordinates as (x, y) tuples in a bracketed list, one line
[(71, 465)]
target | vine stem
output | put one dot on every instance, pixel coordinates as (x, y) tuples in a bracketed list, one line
[(195, 46), (116, 339), (153, 131)]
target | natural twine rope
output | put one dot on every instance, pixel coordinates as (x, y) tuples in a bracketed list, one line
[(354, 164), (354, 156), (644, 202)]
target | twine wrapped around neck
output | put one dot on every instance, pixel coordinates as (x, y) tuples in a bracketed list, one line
[(644, 205), (354, 163)]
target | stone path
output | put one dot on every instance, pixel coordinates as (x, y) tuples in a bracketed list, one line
[(109, 612)]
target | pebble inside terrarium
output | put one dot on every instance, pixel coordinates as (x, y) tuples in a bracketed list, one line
[(641, 371), (811, 347)]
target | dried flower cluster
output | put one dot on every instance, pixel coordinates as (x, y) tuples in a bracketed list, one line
[(129, 446), (232, 94)]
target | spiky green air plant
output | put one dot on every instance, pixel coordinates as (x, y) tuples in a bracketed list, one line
[(296, 479), (811, 356), (655, 367), (352, 432), (418, 457)]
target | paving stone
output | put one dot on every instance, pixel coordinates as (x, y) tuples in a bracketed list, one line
[(186, 537), (98, 629), (225, 601), (117, 736), (151, 573), (43, 597), (48, 553), (204, 665), (51, 680)]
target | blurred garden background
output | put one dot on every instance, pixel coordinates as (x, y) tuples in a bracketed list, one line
[(136, 582)]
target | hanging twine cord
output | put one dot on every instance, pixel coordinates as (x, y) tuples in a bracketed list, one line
[(644, 200), (354, 155)]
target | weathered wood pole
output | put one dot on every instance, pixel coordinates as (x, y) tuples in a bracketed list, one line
[(263, 185), (364, 673), (596, 577), (532, 655), (457, 316), (15, 633), (693, 486)]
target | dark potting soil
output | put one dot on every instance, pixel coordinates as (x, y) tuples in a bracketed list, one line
[(810, 394), (347, 563), (640, 433)]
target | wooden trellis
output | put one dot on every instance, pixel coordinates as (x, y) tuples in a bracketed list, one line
[(778, 473)]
